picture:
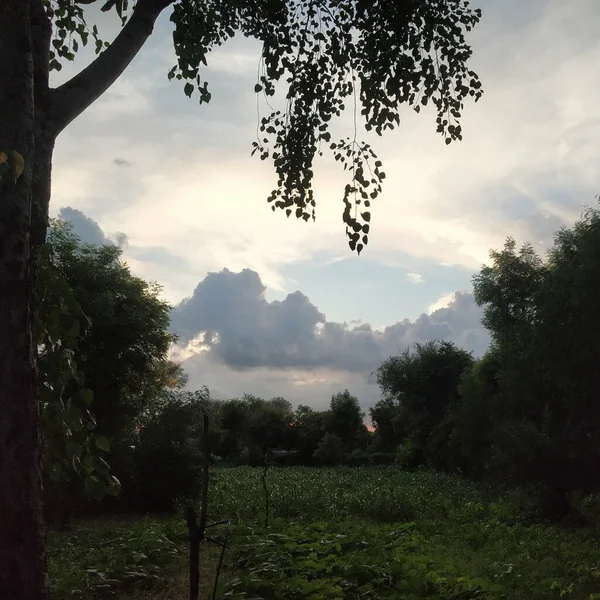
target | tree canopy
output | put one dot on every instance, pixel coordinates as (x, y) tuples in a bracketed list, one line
[(419, 387), (123, 353)]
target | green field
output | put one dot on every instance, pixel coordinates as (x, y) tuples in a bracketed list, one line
[(342, 533)]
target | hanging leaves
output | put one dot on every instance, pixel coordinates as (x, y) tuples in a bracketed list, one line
[(70, 28), (370, 56)]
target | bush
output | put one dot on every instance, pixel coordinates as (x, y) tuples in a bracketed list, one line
[(382, 458), (330, 450), (166, 458), (357, 458)]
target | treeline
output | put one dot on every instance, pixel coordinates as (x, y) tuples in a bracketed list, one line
[(528, 412), (525, 414)]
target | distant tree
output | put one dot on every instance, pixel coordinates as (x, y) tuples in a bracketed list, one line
[(345, 420), (308, 430), (268, 424), (330, 450), (252, 425), (420, 385), (234, 414), (384, 416)]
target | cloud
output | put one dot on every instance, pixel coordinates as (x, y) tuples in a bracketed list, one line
[(234, 340), (121, 162), (229, 318), (415, 278), (442, 302), (532, 141), (88, 230)]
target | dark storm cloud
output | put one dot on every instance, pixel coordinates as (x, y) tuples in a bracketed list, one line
[(230, 313)]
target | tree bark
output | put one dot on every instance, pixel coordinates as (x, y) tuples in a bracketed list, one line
[(45, 131), (31, 117), (22, 556)]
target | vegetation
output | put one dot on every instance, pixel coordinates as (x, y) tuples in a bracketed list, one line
[(342, 533), (103, 365), (490, 489), (378, 55)]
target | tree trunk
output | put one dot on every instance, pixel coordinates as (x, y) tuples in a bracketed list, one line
[(22, 556), (31, 117)]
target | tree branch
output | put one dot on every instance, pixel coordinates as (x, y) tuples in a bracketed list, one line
[(73, 97)]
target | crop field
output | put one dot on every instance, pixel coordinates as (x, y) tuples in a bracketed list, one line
[(336, 534)]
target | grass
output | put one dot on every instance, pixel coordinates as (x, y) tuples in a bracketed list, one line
[(335, 534)]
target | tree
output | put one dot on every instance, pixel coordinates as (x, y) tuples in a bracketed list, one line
[(73, 450), (103, 339), (308, 429), (545, 329), (421, 385), (123, 355), (167, 453), (387, 53), (345, 420), (472, 417), (268, 423), (254, 425), (384, 416)]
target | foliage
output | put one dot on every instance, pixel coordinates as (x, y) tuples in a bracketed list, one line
[(545, 329), (123, 356), (472, 418), (330, 53), (307, 432), (72, 443), (330, 450), (167, 454), (345, 420), (251, 425), (338, 534), (380, 493), (459, 540), (419, 387), (111, 558)]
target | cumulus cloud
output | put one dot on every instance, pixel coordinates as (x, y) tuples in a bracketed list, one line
[(229, 318), (415, 278), (88, 230), (442, 302), (84, 227)]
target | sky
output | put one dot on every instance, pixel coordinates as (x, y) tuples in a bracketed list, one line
[(278, 307)]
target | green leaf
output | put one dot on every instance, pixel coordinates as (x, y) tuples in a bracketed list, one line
[(87, 396), (73, 449), (102, 442)]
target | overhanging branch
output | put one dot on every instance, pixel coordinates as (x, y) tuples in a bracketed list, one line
[(73, 97)]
